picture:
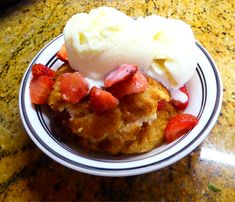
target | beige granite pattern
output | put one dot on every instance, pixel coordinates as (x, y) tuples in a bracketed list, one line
[(26, 174)]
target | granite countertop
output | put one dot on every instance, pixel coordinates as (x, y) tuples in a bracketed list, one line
[(28, 174)]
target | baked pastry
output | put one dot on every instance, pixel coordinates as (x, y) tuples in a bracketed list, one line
[(134, 126)]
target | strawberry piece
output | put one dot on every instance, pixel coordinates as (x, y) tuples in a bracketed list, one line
[(121, 73), (161, 104), (136, 84), (102, 101), (40, 70), (40, 88), (178, 104), (179, 125), (62, 54), (73, 87)]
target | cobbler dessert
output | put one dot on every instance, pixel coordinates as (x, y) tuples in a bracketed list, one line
[(121, 89)]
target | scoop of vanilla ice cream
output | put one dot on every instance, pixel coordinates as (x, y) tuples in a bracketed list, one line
[(174, 60), (100, 41), (105, 38)]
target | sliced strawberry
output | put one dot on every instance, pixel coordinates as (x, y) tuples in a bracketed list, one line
[(40, 70), (73, 87), (40, 88), (161, 104), (62, 54), (179, 125), (184, 90), (178, 104), (102, 101), (121, 73), (136, 84)]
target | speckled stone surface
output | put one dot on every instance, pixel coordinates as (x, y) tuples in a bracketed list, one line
[(26, 174)]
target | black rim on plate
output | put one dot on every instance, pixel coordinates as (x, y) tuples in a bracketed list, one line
[(50, 63)]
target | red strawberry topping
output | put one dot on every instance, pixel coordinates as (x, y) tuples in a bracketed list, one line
[(62, 54), (178, 104), (73, 87), (40, 88), (136, 84), (121, 73), (40, 70), (101, 100), (179, 125)]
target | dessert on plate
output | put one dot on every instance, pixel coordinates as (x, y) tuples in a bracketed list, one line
[(121, 88)]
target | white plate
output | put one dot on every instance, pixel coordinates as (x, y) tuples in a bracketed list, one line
[(205, 91)]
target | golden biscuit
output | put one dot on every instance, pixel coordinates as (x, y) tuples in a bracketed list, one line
[(134, 126)]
